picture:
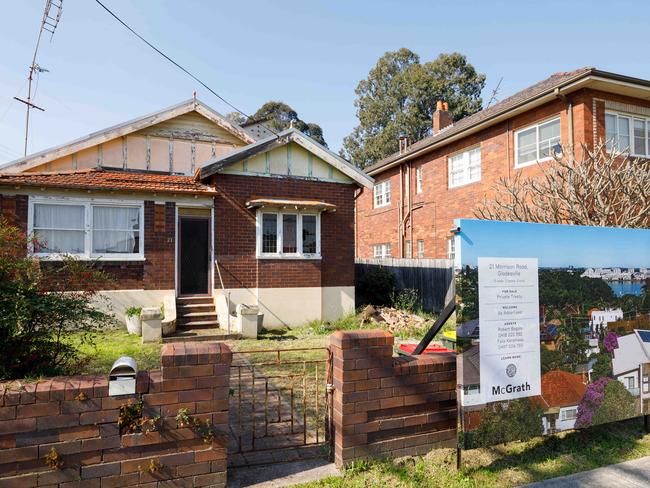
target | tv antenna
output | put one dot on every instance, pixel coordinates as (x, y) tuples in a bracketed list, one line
[(495, 92), (49, 23)]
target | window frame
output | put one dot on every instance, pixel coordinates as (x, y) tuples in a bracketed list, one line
[(381, 189), (465, 153), (408, 250), (630, 150), (280, 254), (451, 248), (564, 414), (418, 179), (384, 248), (537, 126), (89, 204), (420, 248)]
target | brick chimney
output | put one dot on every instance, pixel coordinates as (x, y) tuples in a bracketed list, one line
[(441, 117)]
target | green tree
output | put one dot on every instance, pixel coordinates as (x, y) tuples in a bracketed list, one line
[(617, 404), (573, 345), (399, 97), (279, 116), (551, 360), (509, 421), (41, 307), (602, 367)]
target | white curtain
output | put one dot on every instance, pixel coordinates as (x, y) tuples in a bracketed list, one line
[(59, 228), (116, 229)]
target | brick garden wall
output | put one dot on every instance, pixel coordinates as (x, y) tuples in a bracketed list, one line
[(76, 417), (387, 406)]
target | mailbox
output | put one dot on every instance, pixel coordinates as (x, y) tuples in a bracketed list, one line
[(121, 379)]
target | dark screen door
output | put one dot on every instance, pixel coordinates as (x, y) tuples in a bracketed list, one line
[(194, 250)]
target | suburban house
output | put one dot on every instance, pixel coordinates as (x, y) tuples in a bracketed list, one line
[(561, 394), (185, 203), (420, 190), (631, 365)]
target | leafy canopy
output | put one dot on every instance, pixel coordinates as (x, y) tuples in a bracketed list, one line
[(399, 98)]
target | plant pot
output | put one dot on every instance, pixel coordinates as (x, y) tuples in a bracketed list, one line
[(134, 324)]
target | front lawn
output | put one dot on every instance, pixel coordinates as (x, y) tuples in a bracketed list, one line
[(513, 464)]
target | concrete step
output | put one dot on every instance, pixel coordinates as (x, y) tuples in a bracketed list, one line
[(184, 315), (195, 307), (197, 324), (194, 300)]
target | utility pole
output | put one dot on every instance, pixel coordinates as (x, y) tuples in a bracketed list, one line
[(51, 17)]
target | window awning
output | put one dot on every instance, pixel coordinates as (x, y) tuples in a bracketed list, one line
[(293, 204)]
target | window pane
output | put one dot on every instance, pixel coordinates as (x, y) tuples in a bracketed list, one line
[(56, 241), (289, 234), (269, 233), (623, 134), (116, 230), (457, 170), (408, 249), (549, 138), (475, 164), (639, 137), (59, 228), (527, 145), (309, 234), (610, 130), (420, 248)]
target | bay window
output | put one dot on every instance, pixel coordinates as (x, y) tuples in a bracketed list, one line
[(288, 234), (627, 133), (537, 143), (89, 229)]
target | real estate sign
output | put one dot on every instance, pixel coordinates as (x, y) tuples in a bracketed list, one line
[(553, 328)]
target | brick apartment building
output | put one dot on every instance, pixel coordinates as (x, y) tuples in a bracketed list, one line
[(420, 190)]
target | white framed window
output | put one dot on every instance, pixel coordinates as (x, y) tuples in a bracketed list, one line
[(420, 248), (451, 248), (569, 414), (418, 179), (646, 384), (288, 234), (381, 250), (537, 143), (627, 133), (87, 228), (408, 251), (381, 193), (464, 167)]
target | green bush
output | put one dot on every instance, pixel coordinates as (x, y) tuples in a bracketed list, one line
[(406, 299), (133, 311), (376, 287), (41, 306)]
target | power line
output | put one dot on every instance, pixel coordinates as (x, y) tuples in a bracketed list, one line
[(186, 71)]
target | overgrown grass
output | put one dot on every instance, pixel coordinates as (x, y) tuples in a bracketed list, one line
[(108, 345), (514, 464)]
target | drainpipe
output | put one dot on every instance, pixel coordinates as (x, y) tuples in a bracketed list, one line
[(569, 110), (400, 212)]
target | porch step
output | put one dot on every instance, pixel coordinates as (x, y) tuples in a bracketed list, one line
[(207, 334), (194, 300), (194, 307), (195, 313), (196, 324)]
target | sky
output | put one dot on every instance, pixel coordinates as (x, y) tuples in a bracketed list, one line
[(555, 246), (310, 55)]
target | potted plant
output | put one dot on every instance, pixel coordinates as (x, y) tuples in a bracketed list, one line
[(133, 321)]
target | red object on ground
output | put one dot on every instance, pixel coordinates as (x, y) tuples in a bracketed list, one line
[(409, 348)]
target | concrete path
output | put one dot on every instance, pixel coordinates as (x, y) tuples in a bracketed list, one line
[(630, 474), (280, 474)]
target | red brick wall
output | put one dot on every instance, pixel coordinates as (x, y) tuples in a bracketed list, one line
[(235, 239), (437, 206), (36, 417), (13, 208), (389, 407)]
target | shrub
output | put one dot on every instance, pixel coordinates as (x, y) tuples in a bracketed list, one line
[(41, 306), (406, 299), (133, 311), (376, 287)]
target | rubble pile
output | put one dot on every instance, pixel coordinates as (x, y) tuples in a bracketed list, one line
[(394, 320)]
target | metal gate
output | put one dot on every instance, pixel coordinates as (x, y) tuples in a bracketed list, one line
[(280, 405)]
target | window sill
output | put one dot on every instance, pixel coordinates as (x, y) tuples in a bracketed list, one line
[(382, 206), (460, 185), (84, 257), (288, 258), (531, 163)]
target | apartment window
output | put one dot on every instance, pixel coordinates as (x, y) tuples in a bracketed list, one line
[(451, 248), (569, 414), (288, 235), (418, 180), (646, 384), (537, 142), (627, 133), (381, 250), (464, 167), (86, 228), (409, 251), (381, 193), (630, 382), (420, 248)]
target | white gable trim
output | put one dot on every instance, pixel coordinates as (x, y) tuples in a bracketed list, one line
[(124, 129)]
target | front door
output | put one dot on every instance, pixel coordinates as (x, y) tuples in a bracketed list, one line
[(194, 252)]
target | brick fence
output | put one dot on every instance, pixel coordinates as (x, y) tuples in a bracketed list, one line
[(76, 417), (389, 407)]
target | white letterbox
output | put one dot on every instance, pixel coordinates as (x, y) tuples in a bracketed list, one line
[(121, 379)]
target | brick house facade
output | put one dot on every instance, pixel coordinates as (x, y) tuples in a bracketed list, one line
[(420, 216), (266, 222)]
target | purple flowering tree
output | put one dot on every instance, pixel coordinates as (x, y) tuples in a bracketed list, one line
[(610, 342), (591, 400)]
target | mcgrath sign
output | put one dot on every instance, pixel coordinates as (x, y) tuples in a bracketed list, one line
[(538, 306)]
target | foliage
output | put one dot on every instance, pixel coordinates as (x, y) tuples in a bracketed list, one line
[(399, 97), (573, 345), (204, 429), (376, 287), (610, 342), (348, 322), (406, 299), (598, 188), (41, 306), (53, 459), (602, 367), (606, 400), (130, 417), (279, 116), (467, 291), (558, 289), (501, 422), (133, 311), (152, 467), (551, 360)]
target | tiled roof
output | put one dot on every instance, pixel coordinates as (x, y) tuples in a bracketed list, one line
[(110, 179), (561, 389), (503, 106)]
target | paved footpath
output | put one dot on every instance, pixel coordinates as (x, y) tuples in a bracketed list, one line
[(630, 474)]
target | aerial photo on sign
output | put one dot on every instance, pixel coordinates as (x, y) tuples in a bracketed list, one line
[(553, 328)]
